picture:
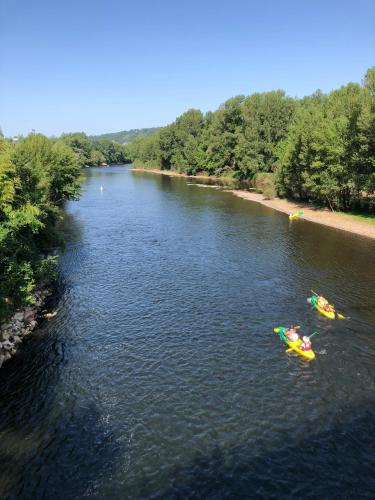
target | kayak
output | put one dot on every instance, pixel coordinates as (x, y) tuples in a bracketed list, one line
[(295, 346), (296, 215), (327, 314)]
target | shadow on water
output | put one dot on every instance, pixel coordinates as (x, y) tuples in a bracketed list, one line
[(222, 182), (336, 463), (51, 446), (71, 228), (55, 448), (55, 442)]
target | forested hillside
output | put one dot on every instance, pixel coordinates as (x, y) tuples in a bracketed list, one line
[(94, 152), (126, 136), (319, 148)]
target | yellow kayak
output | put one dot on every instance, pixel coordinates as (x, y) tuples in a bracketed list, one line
[(310, 355), (296, 215), (327, 314)]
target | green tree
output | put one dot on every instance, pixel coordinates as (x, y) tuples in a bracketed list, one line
[(36, 176), (321, 147)]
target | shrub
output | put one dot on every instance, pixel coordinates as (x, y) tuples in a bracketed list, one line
[(264, 182)]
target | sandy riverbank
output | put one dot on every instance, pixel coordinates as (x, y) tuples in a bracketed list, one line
[(172, 173), (337, 220)]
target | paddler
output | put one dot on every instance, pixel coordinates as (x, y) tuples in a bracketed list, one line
[(306, 344), (329, 308), (323, 304), (292, 334)]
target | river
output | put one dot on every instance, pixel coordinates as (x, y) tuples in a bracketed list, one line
[(161, 375)]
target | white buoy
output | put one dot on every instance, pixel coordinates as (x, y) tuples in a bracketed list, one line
[(101, 188)]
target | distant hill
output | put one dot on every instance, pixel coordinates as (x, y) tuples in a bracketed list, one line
[(126, 136)]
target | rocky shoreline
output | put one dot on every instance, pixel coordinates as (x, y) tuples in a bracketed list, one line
[(21, 324)]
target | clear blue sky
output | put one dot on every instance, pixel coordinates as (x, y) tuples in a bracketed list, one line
[(109, 65)]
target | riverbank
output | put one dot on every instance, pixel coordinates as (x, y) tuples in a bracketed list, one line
[(22, 323), (337, 220), (173, 173)]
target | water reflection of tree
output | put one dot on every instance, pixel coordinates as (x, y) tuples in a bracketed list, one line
[(328, 252)]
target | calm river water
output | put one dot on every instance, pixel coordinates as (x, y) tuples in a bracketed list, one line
[(161, 375)]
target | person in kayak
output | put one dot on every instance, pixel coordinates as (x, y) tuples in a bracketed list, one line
[(323, 304), (292, 334), (306, 344)]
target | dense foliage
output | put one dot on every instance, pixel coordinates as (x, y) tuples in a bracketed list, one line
[(95, 152), (319, 148), (37, 175), (125, 136)]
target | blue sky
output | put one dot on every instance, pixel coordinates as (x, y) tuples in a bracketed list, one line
[(110, 65)]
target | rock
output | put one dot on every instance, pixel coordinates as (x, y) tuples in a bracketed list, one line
[(32, 324), (18, 316), (7, 345), (21, 324), (16, 326), (51, 314), (30, 314)]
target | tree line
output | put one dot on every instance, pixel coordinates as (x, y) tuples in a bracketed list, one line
[(37, 175), (93, 152), (319, 148)]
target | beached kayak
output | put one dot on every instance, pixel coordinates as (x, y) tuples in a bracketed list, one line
[(327, 314), (296, 215), (295, 346)]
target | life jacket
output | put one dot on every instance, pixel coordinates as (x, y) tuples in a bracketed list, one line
[(292, 337), (306, 346)]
